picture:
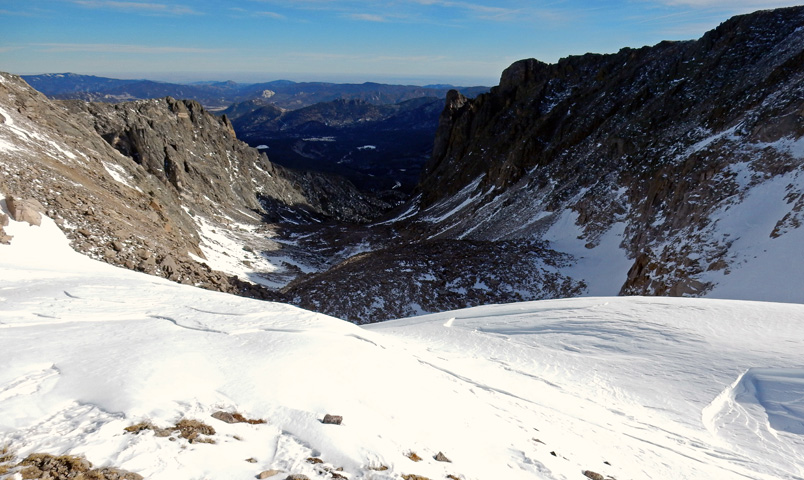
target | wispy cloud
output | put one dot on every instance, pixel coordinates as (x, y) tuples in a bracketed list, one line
[(479, 10), (17, 13), (150, 8), (122, 48), (367, 17), (275, 15), (407, 58), (242, 12), (422, 11)]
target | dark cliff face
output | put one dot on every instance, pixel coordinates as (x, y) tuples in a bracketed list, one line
[(626, 100), (647, 137)]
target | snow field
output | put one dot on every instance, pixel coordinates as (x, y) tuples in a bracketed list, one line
[(604, 268), (761, 267), (627, 387), (635, 379)]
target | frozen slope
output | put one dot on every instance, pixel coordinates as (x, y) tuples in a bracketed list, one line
[(632, 388)]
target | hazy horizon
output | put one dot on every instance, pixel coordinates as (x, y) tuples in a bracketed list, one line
[(252, 78)]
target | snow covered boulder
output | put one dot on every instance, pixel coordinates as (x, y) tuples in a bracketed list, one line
[(25, 210)]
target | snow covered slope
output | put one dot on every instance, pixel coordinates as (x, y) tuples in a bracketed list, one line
[(632, 388)]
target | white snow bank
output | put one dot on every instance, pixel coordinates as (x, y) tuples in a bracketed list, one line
[(603, 268), (780, 392), (636, 379), (761, 266), (773, 393)]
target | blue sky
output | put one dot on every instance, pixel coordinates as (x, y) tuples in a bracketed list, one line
[(402, 41)]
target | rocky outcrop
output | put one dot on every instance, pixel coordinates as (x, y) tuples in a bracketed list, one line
[(661, 139), (638, 157), (142, 185), (109, 206), (198, 155)]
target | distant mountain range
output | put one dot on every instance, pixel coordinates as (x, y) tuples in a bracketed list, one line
[(218, 95), (376, 135), (380, 148)]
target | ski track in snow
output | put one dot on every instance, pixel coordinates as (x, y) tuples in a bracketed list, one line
[(28, 384), (628, 387)]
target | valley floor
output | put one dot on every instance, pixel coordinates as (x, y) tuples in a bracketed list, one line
[(631, 388)]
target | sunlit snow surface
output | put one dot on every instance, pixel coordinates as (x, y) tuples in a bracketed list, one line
[(658, 388)]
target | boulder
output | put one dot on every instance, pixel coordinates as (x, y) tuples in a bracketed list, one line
[(332, 419), (169, 266), (440, 457), (25, 210), (224, 417)]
